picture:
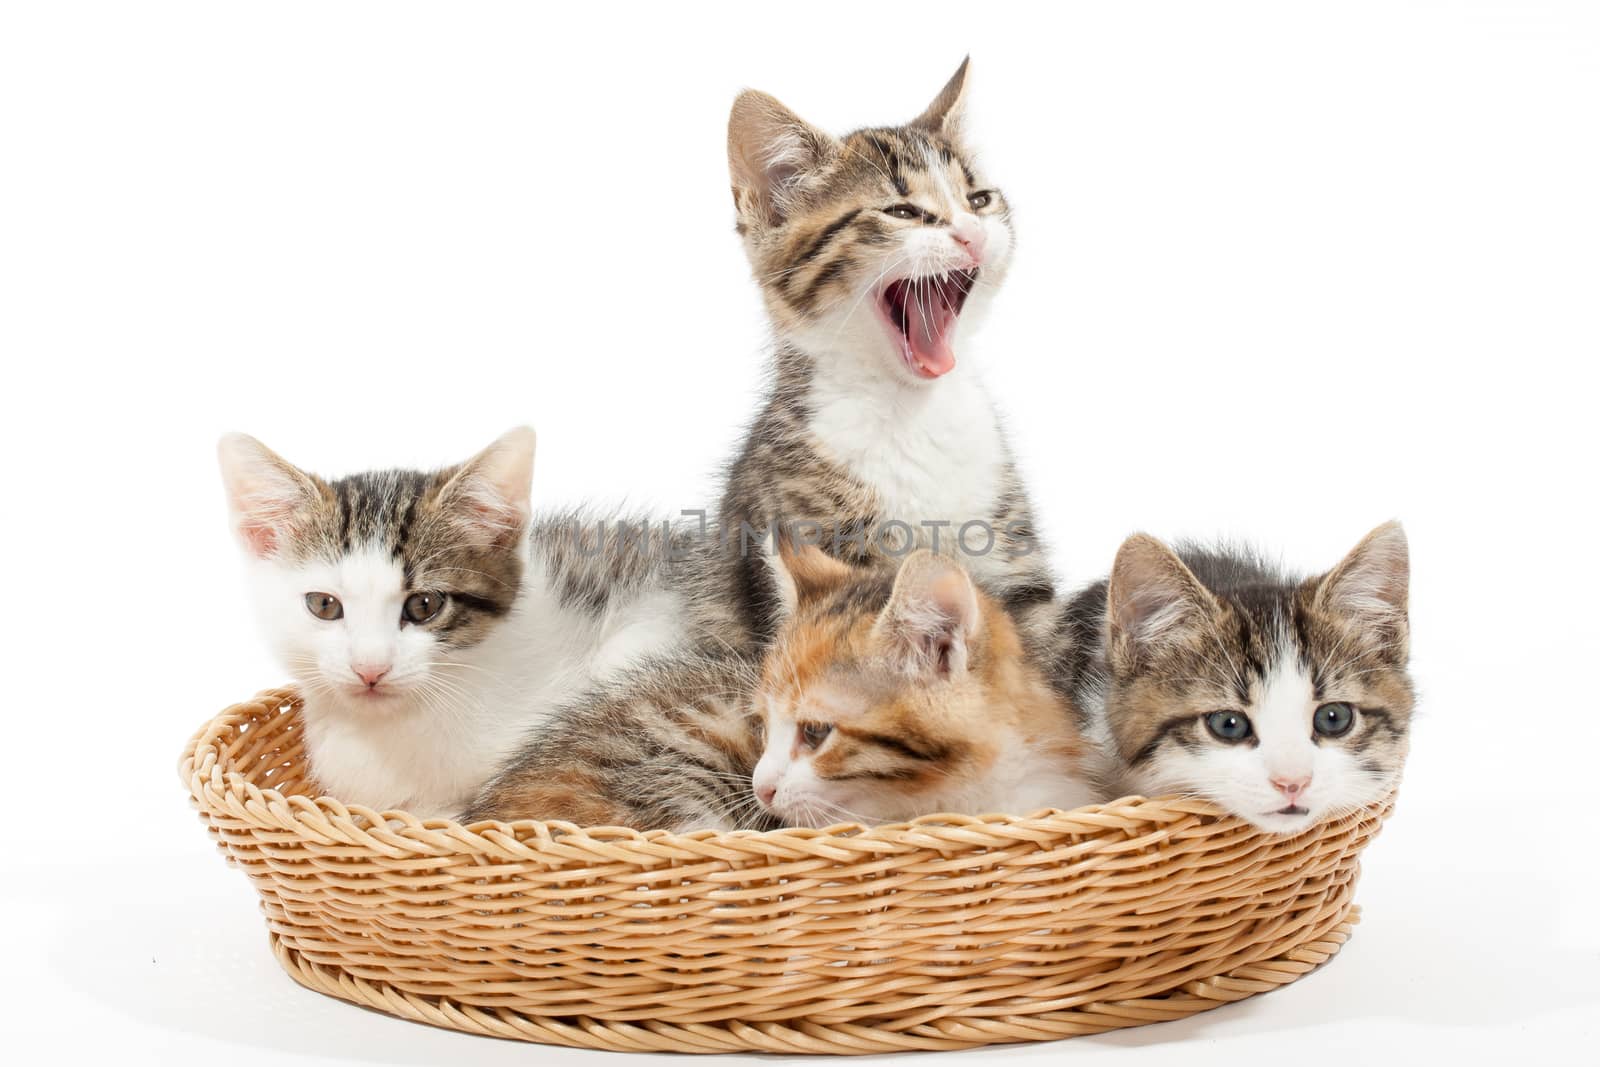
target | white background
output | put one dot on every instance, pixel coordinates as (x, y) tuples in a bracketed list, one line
[(1283, 272)]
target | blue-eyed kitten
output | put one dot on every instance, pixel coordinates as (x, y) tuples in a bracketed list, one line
[(1205, 671)]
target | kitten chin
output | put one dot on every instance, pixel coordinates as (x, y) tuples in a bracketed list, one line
[(1205, 671), (429, 620)]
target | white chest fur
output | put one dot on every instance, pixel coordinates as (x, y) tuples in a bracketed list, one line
[(931, 454)]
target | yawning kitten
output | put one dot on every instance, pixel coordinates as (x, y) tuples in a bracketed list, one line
[(876, 254), (1207, 672), (427, 621), (885, 696)]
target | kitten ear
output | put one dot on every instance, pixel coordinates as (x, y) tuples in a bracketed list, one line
[(944, 115), (772, 154), (1153, 601), (490, 495), (805, 572), (269, 498), (932, 616), (1371, 586)]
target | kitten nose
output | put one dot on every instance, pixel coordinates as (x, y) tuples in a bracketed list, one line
[(370, 674), (968, 233), (1292, 787), (765, 793)]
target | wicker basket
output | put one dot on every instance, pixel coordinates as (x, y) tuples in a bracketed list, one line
[(944, 933)]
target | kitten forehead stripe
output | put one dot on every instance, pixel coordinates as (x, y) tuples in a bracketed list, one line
[(828, 233)]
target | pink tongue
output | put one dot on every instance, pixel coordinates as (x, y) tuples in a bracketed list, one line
[(928, 323)]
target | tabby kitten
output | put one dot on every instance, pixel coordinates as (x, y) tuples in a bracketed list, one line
[(1205, 671), (428, 620), (876, 253), (885, 696)]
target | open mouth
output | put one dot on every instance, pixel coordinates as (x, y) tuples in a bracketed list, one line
[(922, 312)]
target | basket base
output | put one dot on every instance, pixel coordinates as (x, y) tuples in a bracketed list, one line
[(1190, 998)]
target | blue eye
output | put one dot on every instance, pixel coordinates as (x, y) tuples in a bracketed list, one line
[(1229, 725), (1334, 720)]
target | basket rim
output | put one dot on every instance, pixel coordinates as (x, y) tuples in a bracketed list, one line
[(216, 785)]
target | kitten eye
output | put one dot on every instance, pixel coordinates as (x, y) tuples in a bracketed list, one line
[(1334, 720), (979, 201), (812, 734), (903, 211), (420, 607), (1229, 725), (324, 606)]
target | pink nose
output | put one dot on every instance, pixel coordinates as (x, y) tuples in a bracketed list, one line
[(765, 793), (370, 675), (1292, 787), (968, 233)]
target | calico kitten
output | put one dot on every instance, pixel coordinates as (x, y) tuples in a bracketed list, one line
[(894, 698), (1205, 671), (886, 695), (429, 621), (876, 254)]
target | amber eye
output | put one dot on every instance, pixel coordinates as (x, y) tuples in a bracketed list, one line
[(903, 211), (812, 734), (420, 607), (324, 606), (1229, 725), (979, 201), (1334, 720)]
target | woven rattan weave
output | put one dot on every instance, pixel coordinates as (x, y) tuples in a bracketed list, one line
[(940, 934)]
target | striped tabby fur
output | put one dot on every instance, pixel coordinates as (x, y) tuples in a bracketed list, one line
[(668, 745)]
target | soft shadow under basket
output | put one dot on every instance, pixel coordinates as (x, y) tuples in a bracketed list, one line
[(944, 933)]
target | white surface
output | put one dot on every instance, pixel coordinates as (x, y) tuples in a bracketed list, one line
[(1281, 273)]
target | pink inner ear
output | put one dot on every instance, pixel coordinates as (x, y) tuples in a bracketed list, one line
[(952, 593), (488, 520), (261, 539)]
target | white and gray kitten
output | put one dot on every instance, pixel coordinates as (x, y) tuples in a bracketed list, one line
[(1205, 671), (429, 621)]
